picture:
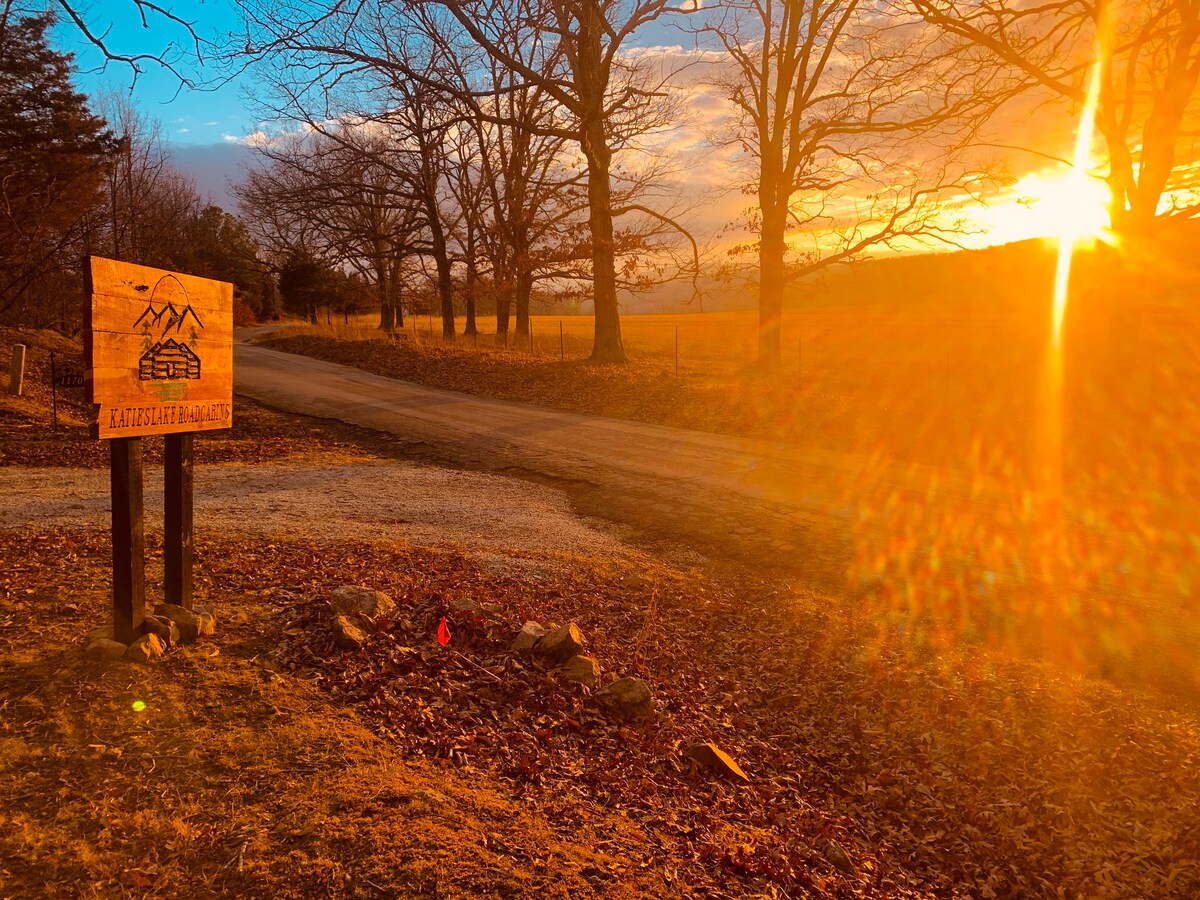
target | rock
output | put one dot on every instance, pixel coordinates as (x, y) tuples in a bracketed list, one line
[(104, 648), (146, 649), (104, 631), (466, 608), (167, 631), (206, 622), (185, 619), (838, 859), (627, 698), (430, 798), (561, 644), (713, 757), (582, 670), (527, 637), (348, 633), (353, 600)]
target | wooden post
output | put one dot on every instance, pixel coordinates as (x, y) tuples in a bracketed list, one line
[(177, 519), (562, 353), (676, 351), (54, 389), (129, 551), (16, 379)]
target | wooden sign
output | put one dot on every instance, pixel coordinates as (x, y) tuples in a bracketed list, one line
[(158, 351)]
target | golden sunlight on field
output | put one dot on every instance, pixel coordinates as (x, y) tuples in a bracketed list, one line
[(1078, 542)]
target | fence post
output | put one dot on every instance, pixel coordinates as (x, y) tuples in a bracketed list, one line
[(676, 351), (16, 379), (54, 389), (562, 353)]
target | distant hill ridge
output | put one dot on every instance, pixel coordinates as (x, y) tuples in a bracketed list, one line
[(1016, 275)]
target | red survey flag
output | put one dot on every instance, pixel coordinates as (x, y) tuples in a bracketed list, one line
[(443, 632)]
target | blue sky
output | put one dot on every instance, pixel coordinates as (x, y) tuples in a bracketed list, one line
[(207, 124), (209, 115)]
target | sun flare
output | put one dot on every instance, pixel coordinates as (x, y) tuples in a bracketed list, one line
[(1077, 181), (1068, 207)]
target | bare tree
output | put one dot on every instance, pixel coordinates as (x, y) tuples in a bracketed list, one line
[(604, 95), (531, 198), (1149, 53), (335, 201), (569, 49), (95, 30), (148, 201), (853, 123)]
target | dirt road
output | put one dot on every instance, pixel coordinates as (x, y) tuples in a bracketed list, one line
[(729, 492), (838, 520)]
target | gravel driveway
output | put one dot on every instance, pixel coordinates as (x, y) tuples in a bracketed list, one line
[(488, 515)]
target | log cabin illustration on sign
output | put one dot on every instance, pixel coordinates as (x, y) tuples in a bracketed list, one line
[(158, 350)]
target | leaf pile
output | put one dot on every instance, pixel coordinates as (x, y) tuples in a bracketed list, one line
[(971, 776), (227, 779)]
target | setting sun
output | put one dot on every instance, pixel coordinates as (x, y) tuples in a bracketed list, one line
[(1067, 206)]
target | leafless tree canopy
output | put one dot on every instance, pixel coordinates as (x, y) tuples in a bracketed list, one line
[(856, 122), (1149, 53), (543, 97)]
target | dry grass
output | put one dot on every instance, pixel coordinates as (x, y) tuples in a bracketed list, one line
[(28, 435)]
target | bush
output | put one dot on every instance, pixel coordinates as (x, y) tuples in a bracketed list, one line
[(243, 314)]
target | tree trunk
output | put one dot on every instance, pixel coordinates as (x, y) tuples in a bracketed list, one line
[(395, 295), (503, 306), (591, 85), (387, 317), (524, 290), (606, 346), (445, 282), (387, 308), (771, 250), (446, 295), (471, 284)]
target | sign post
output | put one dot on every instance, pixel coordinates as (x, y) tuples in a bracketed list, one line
[(177, 520), (128, 539), (158, 352)]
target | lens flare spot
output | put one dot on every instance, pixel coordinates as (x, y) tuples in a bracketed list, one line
[(139, 705)]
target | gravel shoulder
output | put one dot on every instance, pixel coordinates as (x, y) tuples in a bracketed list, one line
[(508, 521)]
